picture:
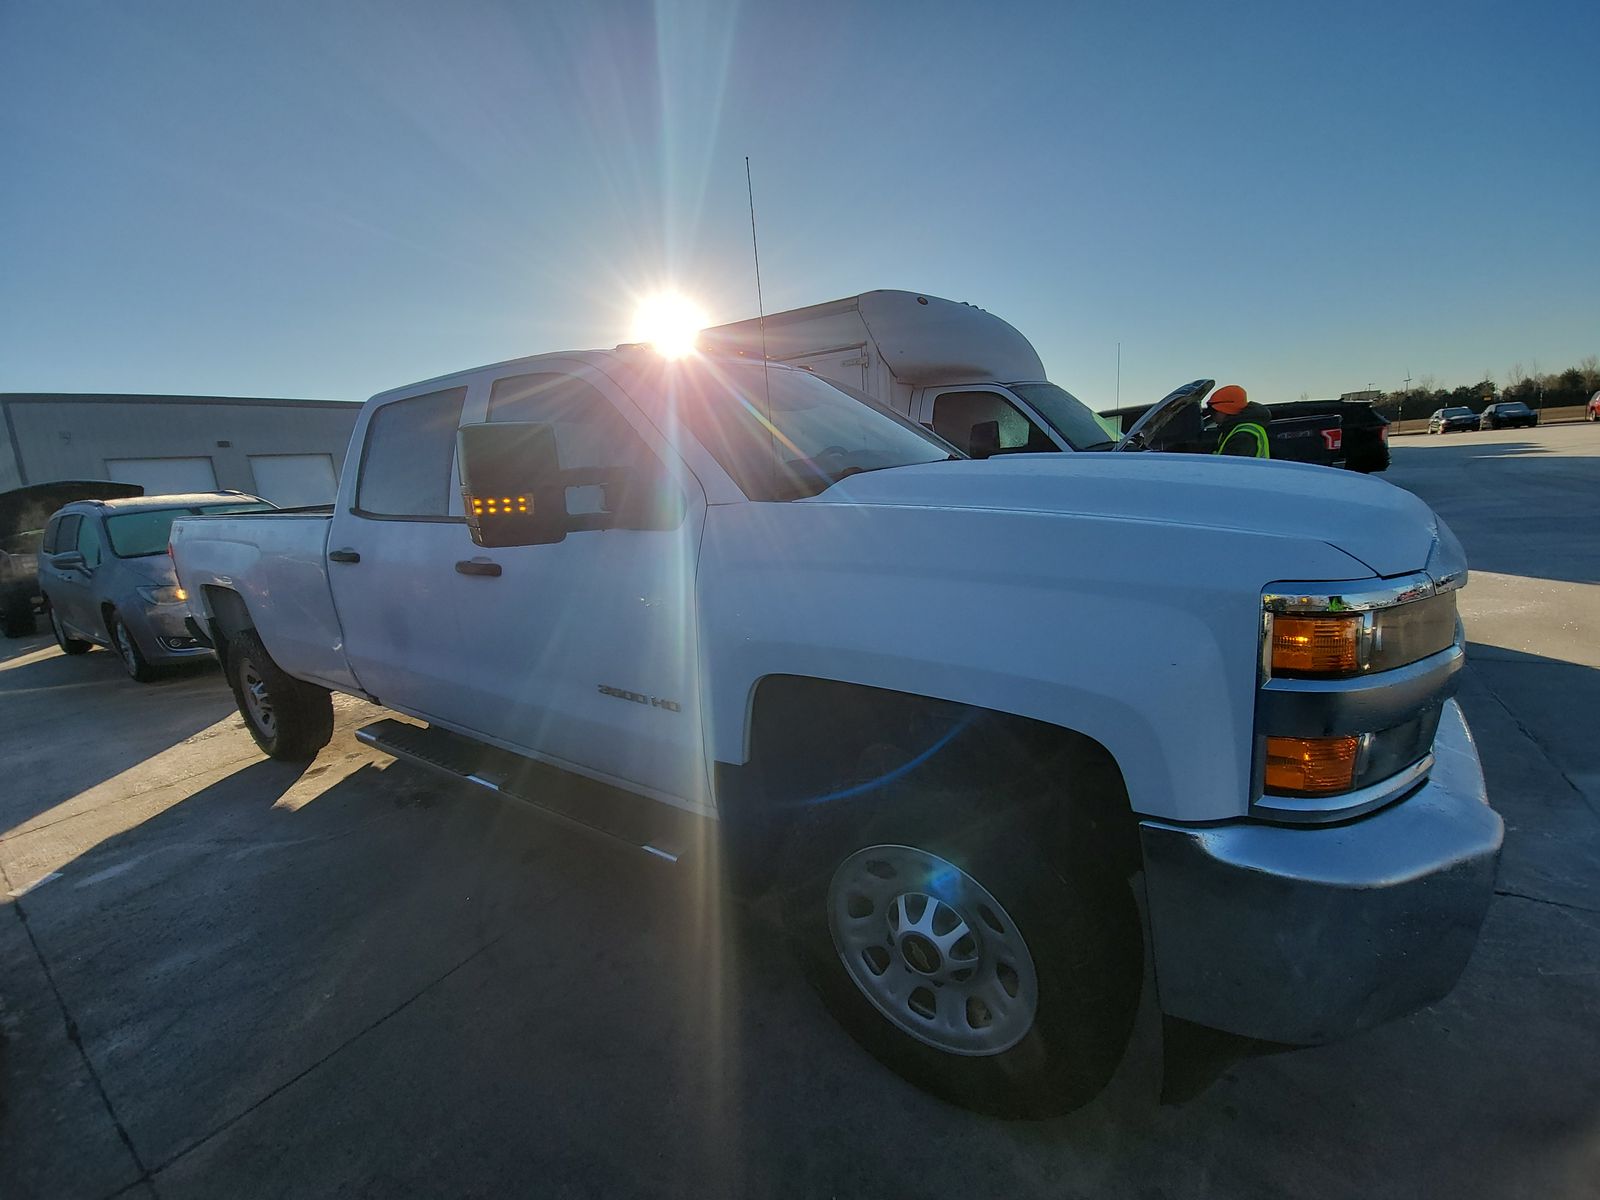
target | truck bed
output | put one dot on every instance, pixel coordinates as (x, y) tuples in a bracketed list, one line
[(277, 562)]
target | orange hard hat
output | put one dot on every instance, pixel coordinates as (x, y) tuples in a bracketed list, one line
[(1230, 400)]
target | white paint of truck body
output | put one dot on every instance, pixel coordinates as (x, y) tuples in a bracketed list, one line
[(1118, 595)]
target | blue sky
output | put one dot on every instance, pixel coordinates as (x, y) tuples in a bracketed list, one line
[(329, 200)]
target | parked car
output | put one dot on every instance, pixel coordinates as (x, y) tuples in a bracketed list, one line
[(108, 581), (1451, 420), (23, 513), (944, 710), (1592, 411), (1508, 414)]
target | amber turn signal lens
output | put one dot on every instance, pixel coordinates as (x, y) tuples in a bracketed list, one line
[(1311, 765), (1322, 645)]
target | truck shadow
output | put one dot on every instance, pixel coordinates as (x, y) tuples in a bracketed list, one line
[(68, 724), (358, 979)]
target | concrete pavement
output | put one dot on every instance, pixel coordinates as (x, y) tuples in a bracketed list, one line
[(224, 976)]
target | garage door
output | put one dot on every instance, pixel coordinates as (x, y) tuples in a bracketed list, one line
[(164, 476), (293, 480)]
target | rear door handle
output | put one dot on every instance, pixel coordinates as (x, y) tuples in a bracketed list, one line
[(477, 566), (343, 556)]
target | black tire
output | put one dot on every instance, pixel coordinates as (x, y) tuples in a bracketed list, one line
[(126, 647), (290, 719), (1058, 895), (17, 621), (69, 645)]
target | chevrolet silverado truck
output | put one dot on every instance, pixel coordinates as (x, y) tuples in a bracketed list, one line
[(955, 716)]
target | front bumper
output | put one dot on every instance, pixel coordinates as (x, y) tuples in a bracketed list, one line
[(163, 634), (1304, 935)]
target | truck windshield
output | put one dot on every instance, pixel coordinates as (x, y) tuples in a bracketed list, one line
[(818, 434), (136, 534), (1069, 416)]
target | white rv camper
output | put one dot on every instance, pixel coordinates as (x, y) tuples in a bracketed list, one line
[(961, 371)]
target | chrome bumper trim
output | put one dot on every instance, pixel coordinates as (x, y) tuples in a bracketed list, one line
[(1305, 935)]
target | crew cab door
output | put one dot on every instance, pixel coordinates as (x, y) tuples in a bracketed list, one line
[(397, 531), (584, 650)]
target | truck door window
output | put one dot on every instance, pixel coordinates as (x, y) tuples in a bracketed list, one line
[(89, 544), (406, 461), (49, 543), (955, 414), (593, 439)]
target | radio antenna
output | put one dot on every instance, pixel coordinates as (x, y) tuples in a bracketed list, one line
[(761, 318)]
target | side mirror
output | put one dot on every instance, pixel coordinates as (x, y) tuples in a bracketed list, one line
[(511, 484), (984, 439), (69, 560)]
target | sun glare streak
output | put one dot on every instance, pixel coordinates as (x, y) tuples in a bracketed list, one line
[(670, 322)]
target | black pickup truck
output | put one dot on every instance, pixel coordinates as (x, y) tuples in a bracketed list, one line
[(1332, 433)]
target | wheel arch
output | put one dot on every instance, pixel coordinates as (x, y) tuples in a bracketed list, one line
[(228, 617), (807, 737)]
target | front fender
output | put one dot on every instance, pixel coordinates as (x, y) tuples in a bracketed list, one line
[(1141, 636)]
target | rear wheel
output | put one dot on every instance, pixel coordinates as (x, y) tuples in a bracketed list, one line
[(68, 644), (132, 658), (289, 718), (967, 949)]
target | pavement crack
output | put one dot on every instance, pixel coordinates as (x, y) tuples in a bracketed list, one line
[(1541, 900), (70, 1025), (349, 1041), (1535, 739)]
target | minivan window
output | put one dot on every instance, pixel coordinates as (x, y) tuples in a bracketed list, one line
[(89, 544), (137, 534), (66, 533), (405, 464)]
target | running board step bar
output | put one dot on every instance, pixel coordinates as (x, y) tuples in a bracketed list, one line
[(658, 829)]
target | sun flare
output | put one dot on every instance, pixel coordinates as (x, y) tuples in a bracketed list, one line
[(670, 322)]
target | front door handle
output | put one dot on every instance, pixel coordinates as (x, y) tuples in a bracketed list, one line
[(477, 566), (343, 556)]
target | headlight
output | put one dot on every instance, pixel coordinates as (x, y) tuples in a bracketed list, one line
[(164, 595), (1352, 686), (1336, 637)]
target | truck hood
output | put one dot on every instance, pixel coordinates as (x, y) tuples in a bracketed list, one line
[(1386, 529)]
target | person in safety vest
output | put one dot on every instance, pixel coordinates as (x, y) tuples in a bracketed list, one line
[(1241, 424)]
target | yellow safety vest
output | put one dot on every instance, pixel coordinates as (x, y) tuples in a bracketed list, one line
[(1250, 429)]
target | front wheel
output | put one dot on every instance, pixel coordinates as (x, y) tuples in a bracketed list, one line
[(289, 718), (132, 658), (963, 953)]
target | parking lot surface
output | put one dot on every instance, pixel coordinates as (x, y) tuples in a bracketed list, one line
[(226, 976)]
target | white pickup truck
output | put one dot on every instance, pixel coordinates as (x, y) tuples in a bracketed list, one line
[(957, 714)]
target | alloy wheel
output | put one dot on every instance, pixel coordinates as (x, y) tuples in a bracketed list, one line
[(125, 648), (256, 699), (933, 950)]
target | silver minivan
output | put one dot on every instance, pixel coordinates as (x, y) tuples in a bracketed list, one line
[(107, 579)]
